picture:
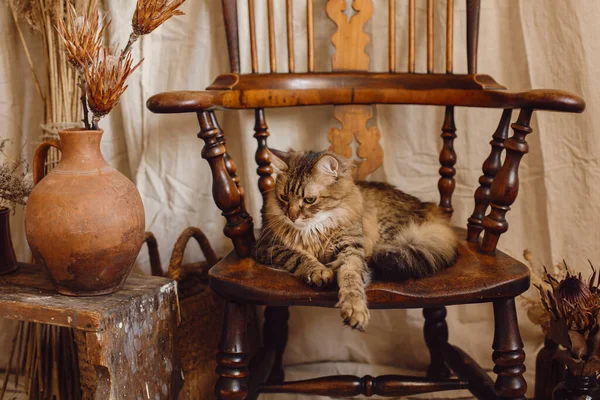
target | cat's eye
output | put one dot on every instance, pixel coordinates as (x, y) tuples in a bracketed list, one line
[(283, 198), (310, 200)]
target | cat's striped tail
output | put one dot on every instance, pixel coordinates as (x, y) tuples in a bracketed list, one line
[(418, 250)]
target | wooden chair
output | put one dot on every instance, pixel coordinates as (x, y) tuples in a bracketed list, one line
[(482, 274)]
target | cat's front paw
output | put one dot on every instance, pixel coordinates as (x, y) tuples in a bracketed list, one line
[(320, 277), (354, 312)]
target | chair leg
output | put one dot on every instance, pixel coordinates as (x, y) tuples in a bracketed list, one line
[(275, 337), (508, 353), (436, 336), (232, 359)]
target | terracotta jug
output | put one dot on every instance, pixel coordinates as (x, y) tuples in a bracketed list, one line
[(84, 221)]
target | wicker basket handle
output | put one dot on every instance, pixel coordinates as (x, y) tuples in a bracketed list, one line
[(175, 271), (155, 264)]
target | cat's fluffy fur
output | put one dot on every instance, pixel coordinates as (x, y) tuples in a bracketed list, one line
[(318, 224)]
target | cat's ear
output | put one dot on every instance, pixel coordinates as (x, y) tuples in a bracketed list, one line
[(279, 159), (328, 165)]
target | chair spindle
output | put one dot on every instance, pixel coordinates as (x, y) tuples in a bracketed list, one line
[(446, 183), (311, 35), (429, 36), (505, 186), (262, 157), (290, 35), (392, 34), (231, 31), (230, 164), (473, 10), (490, 168), (239, 226), (411, 36), (272, 45), (253, 51), (449, 36)]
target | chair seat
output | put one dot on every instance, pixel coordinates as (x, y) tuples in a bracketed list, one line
[(475, 278)]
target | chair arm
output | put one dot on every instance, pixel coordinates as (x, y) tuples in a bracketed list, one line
[(184, 101), (289, 90)]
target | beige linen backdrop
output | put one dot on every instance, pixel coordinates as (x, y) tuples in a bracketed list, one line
[(523, 44)]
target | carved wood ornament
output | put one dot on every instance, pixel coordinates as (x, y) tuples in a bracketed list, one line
[(350, 41)]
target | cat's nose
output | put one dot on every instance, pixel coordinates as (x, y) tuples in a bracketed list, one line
[(293, 214)]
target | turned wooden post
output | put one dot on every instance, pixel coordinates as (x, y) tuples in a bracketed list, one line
[(275, 334), (230, 166), (508, 352), (446, 183), (262, 157), (232, 359), (506, 184), (225, 190), (491, 166), (436, 336)]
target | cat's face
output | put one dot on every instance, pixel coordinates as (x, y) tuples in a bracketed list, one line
[(308, 187)]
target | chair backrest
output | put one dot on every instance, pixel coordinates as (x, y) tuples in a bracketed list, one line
[(350, 41), (353, 92)]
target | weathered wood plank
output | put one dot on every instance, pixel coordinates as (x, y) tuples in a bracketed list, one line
[(28, 295)]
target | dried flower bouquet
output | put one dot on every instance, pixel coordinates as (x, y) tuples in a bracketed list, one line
[(14, 185), (573, 307), (103, 71)]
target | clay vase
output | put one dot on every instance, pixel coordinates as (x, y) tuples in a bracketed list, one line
[(8, 259), (84, 221)]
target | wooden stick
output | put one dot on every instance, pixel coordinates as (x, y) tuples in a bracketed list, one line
[(272, 45), (19, 350), (290, 35), (10, 360), (38, 352), (449, 36), (392, 34), (411, 36), (252, 37), (54, 374), (429, 36), (311, 35)]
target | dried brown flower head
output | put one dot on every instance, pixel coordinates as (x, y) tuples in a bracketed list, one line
[(574, 309), (150, 14), (82, 37), (106, 78)]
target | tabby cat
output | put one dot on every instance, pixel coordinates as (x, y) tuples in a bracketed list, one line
[(319, 223)]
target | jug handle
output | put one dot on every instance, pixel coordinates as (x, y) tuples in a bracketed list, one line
[(40, 157)]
